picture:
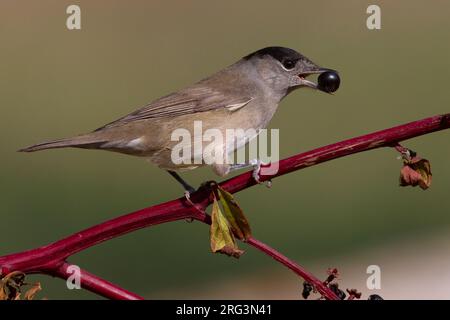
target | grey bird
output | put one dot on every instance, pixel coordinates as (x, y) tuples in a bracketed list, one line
[(244, 95)]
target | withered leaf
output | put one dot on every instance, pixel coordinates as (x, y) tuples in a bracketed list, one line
[(232, 251), (416, 172), (11, 285), (3, 294), (235, 216), (35, 288), (221, 236)]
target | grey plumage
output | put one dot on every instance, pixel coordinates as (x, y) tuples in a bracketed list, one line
[(243, 95)]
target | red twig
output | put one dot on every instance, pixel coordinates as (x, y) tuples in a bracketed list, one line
[(299, 270), (51, 259), (323, 289), (95, 284)]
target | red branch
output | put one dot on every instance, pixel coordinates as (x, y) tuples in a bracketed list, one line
[(51, 259), (95, 284)]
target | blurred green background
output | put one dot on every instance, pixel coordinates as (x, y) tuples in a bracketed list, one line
[(56, 83)]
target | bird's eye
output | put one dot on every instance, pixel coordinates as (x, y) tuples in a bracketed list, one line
[(289, 64)]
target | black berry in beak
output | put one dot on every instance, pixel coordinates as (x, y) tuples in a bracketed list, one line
[(328, 81)]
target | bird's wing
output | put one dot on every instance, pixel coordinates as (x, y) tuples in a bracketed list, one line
[(191, 100)]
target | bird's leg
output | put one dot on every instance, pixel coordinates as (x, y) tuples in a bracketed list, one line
[(188, 189), (255, 164)]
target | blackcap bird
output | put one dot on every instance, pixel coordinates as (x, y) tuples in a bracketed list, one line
[(244, 95)]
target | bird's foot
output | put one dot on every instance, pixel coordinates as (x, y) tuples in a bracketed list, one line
[(256, 164), (187, 196), (188, 189), (187, 193)]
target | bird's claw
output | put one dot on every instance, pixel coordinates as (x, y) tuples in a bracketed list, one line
[(256, 171), (187, 196)]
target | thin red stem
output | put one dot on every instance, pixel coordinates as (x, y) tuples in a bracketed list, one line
[(49, 259), (309, 277), (95, 284), (299, 270)]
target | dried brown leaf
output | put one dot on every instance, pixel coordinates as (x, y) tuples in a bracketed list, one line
[(231, 251), (3, 294), (235, 216), (416, 172), (11, 284), (30, 294)]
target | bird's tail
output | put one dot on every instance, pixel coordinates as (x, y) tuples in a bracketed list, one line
[(84, 141)]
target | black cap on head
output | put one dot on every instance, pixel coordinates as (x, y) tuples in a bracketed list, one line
[(279, 53)]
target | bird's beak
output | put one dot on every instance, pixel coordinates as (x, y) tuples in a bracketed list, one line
[(308, 83)]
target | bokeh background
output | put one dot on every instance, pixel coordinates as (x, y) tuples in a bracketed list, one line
[(348, 213)]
